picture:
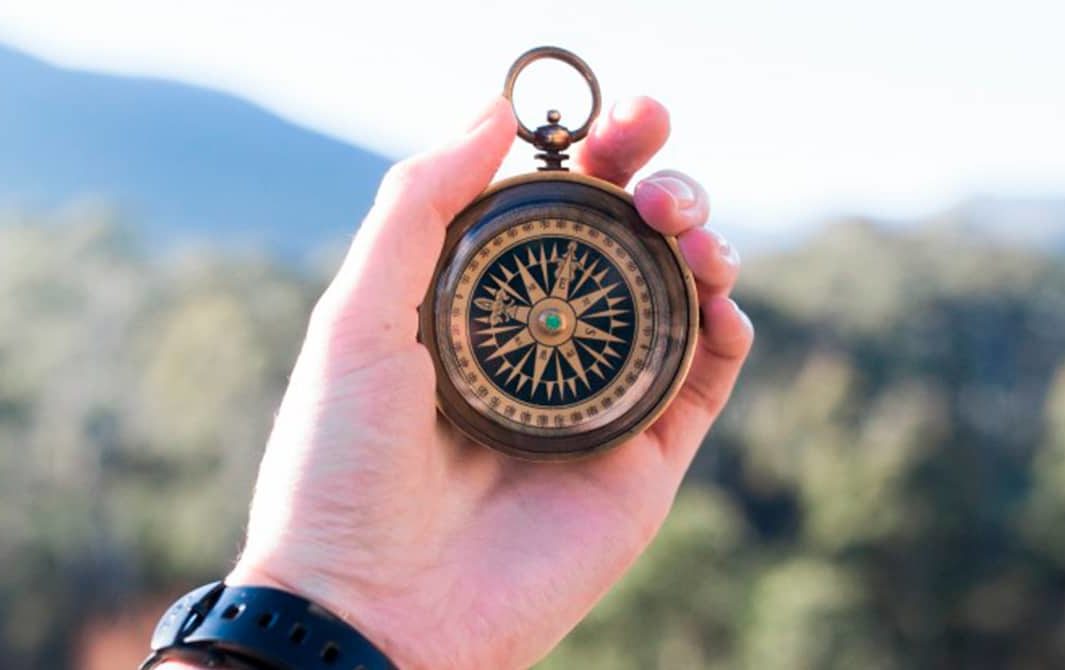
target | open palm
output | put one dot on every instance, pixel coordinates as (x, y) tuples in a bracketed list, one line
[(444, 553)]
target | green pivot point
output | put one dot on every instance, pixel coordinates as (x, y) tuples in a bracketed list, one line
[(553, 322)]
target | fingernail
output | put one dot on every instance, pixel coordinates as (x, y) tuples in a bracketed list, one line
[(625, 110), (743, 315), (728, 252), (678, 189)]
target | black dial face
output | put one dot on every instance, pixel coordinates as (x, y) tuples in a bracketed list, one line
[(552, 320), (557, 325)]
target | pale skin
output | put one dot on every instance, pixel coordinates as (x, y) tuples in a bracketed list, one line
[(442, 552)]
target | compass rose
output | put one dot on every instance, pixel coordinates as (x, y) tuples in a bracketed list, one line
[(552, 320)]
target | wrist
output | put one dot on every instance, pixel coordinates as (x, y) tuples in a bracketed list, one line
[(257, 625), (326, 596)]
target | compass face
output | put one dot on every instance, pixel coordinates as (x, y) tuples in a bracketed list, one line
[(559, 326), (553, 321)]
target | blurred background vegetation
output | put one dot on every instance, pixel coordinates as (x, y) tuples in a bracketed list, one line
[(886, 490)]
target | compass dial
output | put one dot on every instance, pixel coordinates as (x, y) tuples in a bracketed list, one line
[(558, 327), (553, 321)]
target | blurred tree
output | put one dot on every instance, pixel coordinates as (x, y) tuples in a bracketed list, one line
[(886, 490), (127, 390), (682, 605)]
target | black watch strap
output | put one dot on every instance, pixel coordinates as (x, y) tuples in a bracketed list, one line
[(259, 627)]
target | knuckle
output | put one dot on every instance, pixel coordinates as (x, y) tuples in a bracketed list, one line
[(405, 174), (708, 397)]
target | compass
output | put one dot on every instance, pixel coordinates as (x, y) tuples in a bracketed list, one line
[(559, 323)]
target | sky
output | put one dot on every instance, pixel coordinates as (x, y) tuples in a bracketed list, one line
[(788, 112)]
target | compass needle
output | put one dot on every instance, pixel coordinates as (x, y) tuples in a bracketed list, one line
[(495, 330), (562, 279), (520, 314), (522, 339), (586, 302), (543, 264), (569, 352), (536, 294), (560, 379), (611, 312), (522, 381), (517, 368), (588, 270), (600, 358), (543, 356), (587, 331), (505, 285)]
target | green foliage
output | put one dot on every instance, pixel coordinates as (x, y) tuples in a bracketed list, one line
[(886, 490), (678, 606), (895, 458), (128, 446)]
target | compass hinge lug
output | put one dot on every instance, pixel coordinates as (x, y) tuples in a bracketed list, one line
[(552, 139)]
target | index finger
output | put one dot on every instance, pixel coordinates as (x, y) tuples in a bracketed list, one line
[(623, 140)]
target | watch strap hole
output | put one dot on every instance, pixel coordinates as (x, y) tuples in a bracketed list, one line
[(298, 633), (330, 653)]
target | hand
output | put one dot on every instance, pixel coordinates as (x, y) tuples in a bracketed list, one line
[(444, 553)]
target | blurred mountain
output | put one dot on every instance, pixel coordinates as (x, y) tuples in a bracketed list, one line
[(194, 165), (1030, 223), (188, 164)]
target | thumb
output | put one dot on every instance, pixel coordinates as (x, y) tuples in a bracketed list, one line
[(371, 305)]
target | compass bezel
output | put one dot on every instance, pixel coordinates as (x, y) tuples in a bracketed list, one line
[(552, 188)]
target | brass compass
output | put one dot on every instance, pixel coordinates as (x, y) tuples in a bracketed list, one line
[(559, 322)]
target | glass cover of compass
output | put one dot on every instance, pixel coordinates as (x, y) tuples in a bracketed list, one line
[(559, 323)]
